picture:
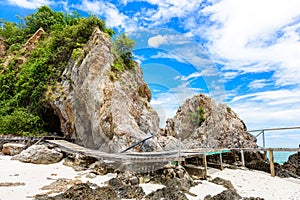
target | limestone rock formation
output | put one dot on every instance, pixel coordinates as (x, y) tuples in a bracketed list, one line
[(100, 108), (39, 154), (200, 122)]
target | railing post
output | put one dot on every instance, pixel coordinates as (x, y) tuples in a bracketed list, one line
[(221, 162), (264, 141), (243, 158), (272, 167), (204, 163)]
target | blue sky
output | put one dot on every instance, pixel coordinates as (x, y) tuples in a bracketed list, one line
[(242, 53)]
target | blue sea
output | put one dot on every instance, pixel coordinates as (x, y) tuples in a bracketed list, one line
[(281, 156)]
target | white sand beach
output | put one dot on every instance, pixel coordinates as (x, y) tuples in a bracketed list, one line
[(247, 183)]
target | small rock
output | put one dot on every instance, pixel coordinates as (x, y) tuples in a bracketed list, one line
[(227, 184), (91, 175), (180, 174), (134, 181), (12, 148)]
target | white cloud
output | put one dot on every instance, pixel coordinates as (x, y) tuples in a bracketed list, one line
[(255, 36), (170, 56), (30, 4), (267, 109), (160, 40), (168, 9), (111, 13), (203, 73), (257, 84)]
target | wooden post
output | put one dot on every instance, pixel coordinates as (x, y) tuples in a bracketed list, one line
[(204, 163), (272, 167), (221, 162), (243, 158)]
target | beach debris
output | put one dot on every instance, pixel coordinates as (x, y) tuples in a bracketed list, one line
[(39, 154), (11, 184)]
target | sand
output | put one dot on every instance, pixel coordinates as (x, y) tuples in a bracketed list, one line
[(247, 183)]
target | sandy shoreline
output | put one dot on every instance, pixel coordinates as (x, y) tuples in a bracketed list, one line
[(247, 183)]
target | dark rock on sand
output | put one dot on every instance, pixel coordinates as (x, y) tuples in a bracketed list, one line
[(83, 191), (126, 191), (79, 162), (292, 165), (225, 195), (166, 193), (226, 183)]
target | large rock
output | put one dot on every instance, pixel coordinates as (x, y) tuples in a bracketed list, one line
[(101, 108), (39, 154), (200, 122), (12, 148), (166, 193), (83, 191), (225, 195)]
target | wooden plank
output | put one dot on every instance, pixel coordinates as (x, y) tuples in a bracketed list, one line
[(272, 166)]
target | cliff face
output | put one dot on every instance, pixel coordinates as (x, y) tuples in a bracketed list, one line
[(215, 126), (100, 108), (110, 111)]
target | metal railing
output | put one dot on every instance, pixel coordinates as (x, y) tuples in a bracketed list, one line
[(262, 132)]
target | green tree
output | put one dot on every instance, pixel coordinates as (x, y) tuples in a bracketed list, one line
[(24, 84), (198, 116), (45, 18), (122, 48), (123, 44)]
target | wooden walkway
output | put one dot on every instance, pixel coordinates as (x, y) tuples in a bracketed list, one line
[(163, 156)]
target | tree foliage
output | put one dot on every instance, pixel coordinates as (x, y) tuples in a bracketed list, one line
[(198, 116), (23, 85), (122, 48)]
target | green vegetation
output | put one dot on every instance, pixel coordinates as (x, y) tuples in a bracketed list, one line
[(122, 48), (24, 82), (198, 117)]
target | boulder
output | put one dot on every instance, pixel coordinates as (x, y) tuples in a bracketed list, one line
[(126, 191), (225, 195), (166, 193), (12, 148), (200, 122), (39, 154), (83, 191)]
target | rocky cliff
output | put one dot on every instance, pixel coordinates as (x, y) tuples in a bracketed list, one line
[(200, 122), (101, 108), (110, 110)]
